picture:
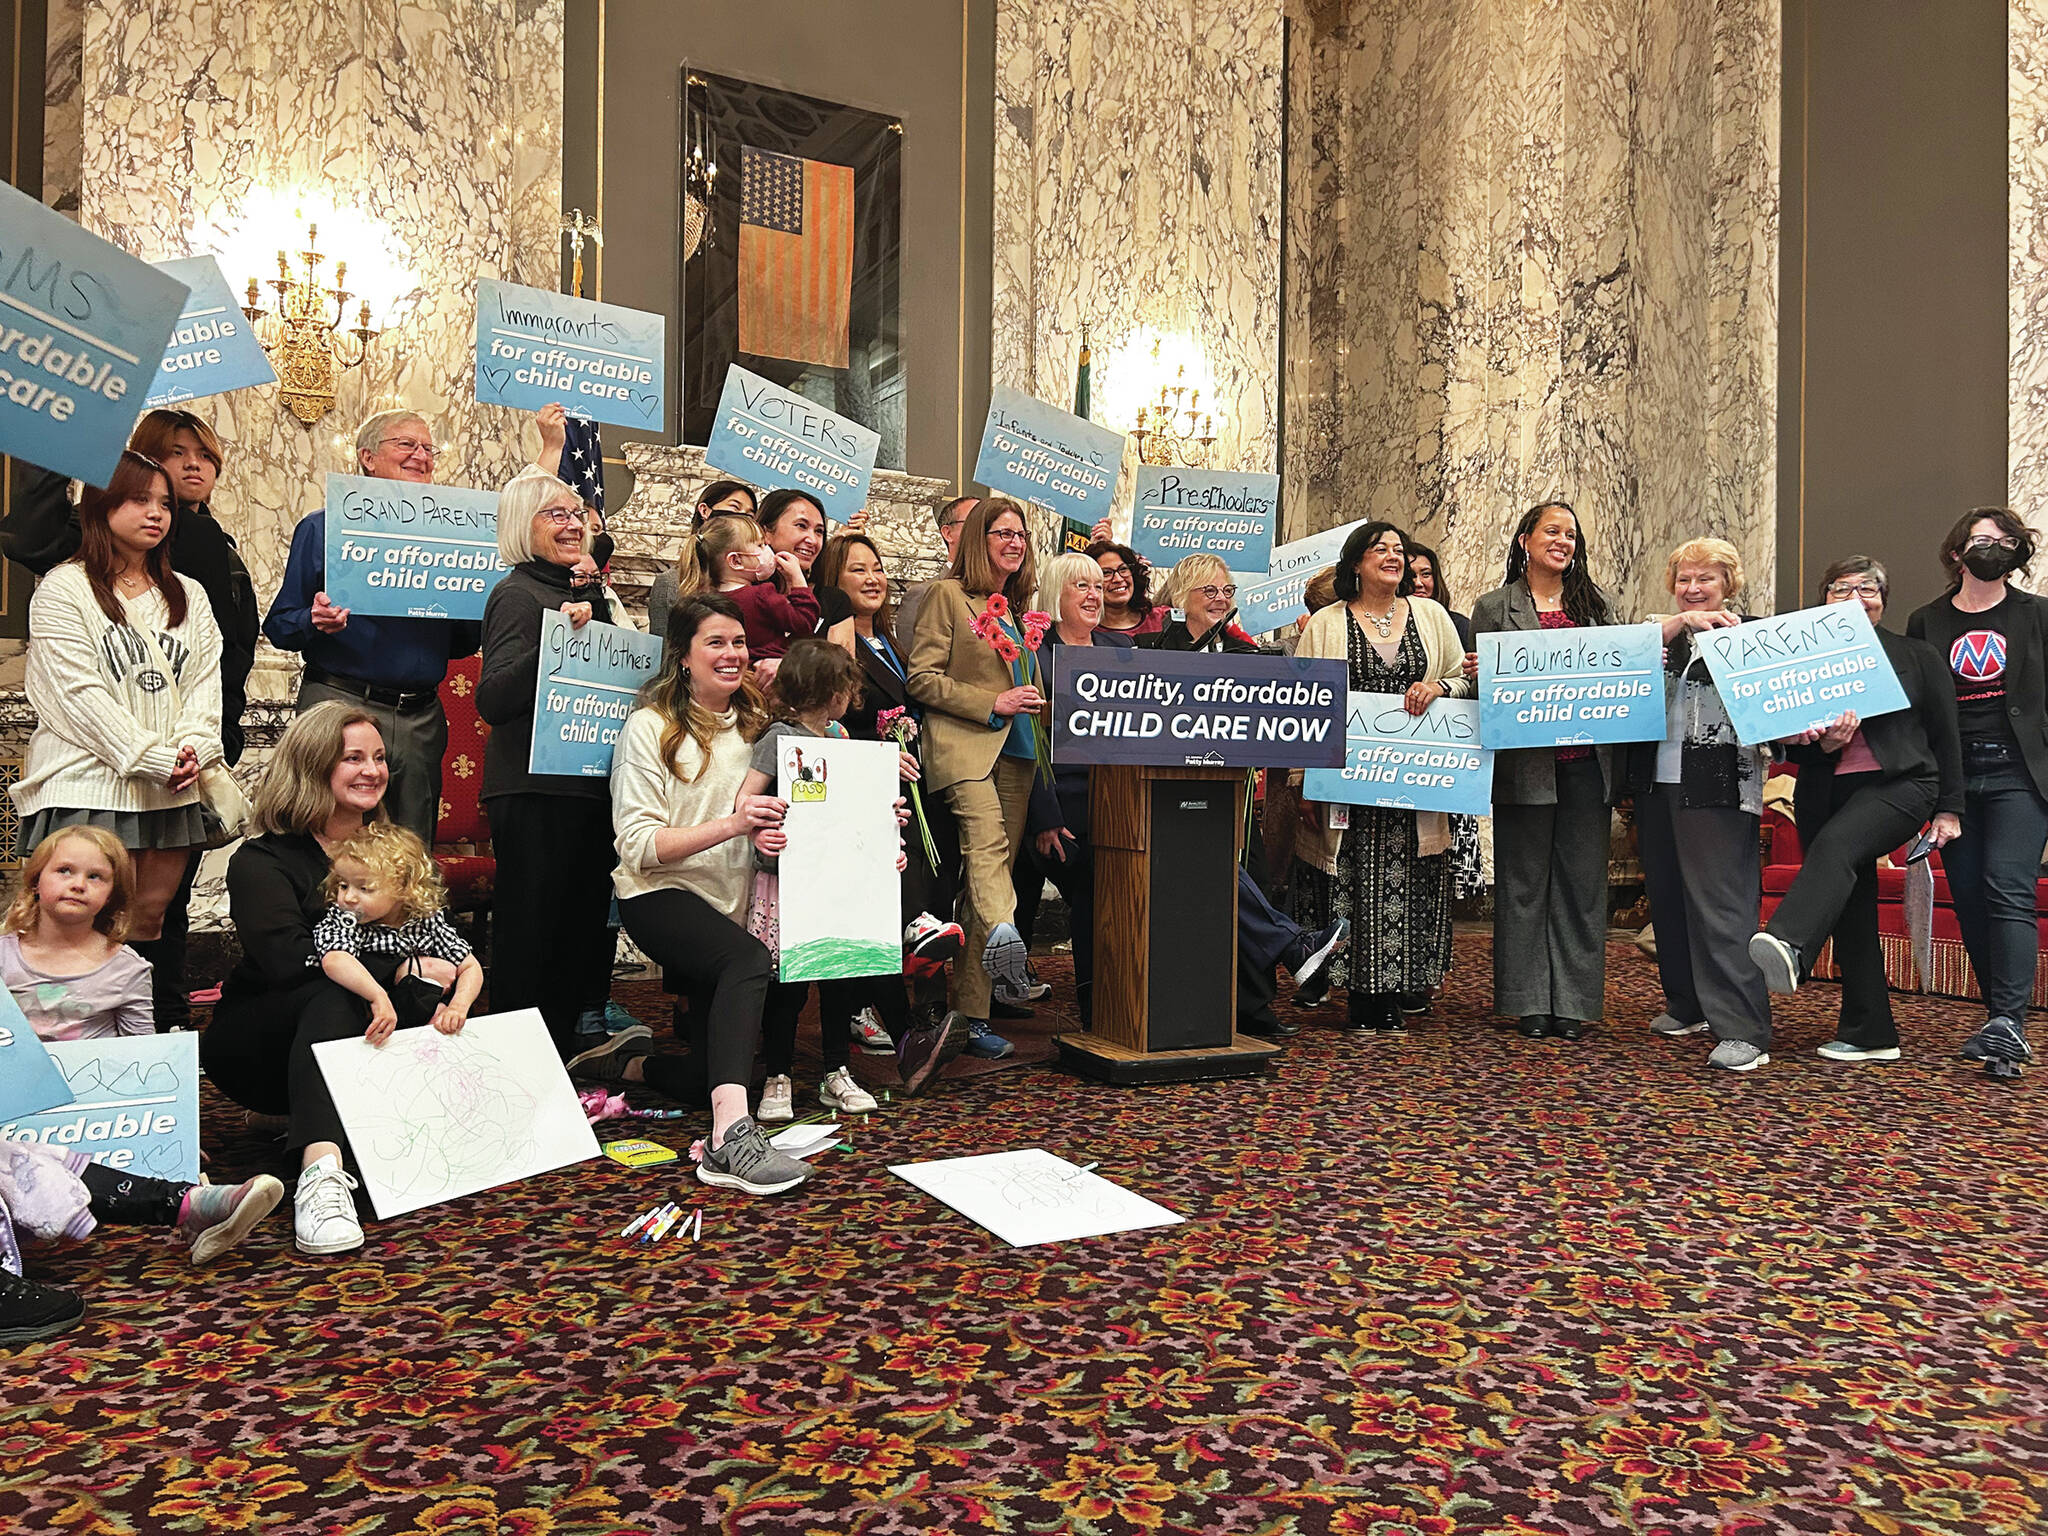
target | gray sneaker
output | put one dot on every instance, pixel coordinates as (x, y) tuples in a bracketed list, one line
[(1008, 964), (1738, 1056), (1778, 961), (747, 1162), (605, 1063), (1999, 1040), (1670, 1027)]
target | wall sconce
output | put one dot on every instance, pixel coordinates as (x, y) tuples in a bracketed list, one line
[(1156, 380), (303, 330)]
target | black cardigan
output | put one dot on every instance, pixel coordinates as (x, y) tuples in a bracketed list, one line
[(511, 669), (275, 885), (2026, 667), (1917, 742)]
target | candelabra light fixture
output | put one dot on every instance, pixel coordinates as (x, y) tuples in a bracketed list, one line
[(1174, 429), (700, 178), (304, 329), (1158, 380)]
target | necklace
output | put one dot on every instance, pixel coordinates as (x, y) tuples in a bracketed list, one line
[(1384, 623), (132, 581)]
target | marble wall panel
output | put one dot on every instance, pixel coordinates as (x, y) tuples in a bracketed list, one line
[(2026, 487)]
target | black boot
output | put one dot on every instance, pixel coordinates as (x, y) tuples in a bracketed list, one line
[(1360, 1011), (1534, 1026), (1566, 1029), (29, 1311)]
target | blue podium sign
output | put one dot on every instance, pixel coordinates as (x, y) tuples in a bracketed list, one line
[(1276, 602), (1120, 704), (1571, 687), (588, 680), (213, 348), (1038, 452), (1783, 675), (401, 550), (1426, 762), (135, 1104), (534, 347), (768, 435)]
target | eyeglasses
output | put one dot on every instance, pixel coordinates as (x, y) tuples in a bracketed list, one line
[(1855, 589), (955, 522), (1111, 572), (1213, 593), (1085, 584), (561, 516), (1009, 535), (1986, 541), (408, 446)]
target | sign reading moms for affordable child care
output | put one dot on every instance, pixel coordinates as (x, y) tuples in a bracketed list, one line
[(534, 347), (1783, 675), (403, 550), (1037, 452), (1264, 606), (1118, 704), (1571, 687), (135, 1104), (82, 328), (768, 435), (1426, 762), (213, 348), (584, 692), (1182, 512), (842, 838)]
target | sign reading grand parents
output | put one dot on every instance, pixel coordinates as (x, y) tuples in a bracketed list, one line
[(534, 347), (396, 549), (1784, 675), (82, 329), (212, 349), (136, 1104), (1264, 606), (1196, 709), (765, 434), (1426, 762), (1182, 512), (584, 692), (1037, 452), (1571, 687)]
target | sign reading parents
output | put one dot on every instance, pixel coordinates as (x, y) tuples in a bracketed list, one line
[(1196, 709), (1181, 512), (1426, 762), (1784, 675), (1264, 606), (1037, 452), (534, 347), (212, 347), (136, 1104), (1571, 687), (402, 550), (82, 329), (766, 434), (584, 692)]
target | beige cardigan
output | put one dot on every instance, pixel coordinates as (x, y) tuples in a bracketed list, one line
[(1325, 635)]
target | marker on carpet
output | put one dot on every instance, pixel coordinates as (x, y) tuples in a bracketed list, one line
[(666, 1215), (639, 1221), (697, 1234)]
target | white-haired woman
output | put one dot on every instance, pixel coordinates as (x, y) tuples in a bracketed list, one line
[(1202, 590)]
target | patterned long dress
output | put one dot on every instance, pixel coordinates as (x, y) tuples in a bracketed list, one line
[(1398, 903)]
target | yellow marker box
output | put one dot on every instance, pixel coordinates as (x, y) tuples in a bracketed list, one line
[(639, 1154)]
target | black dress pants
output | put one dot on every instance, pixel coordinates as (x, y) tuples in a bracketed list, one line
[(722, 969), (551, 946)]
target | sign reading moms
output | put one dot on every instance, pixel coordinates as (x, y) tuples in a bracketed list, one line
[(136, 1104), (1196, 709), (212, 348), (1037, 452), (82, 329), (534, 347), (1264, 606), (584, 692), (396, 549), (1784, 675), (1426, 762), (765, 434), (1571, 687), (1182, 512)]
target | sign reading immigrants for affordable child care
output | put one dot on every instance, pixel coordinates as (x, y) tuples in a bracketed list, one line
[(1038, 452), (135, 1104), (213, 348), (1571, 687), (842, 838), (584, 692), (1196, 709), (1783, 675), (768, 435), (397, 549), (1182, 512), (1277, 601), (1426, 762), (534, 347)]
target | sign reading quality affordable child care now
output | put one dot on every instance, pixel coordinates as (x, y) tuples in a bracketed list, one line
[(1783, 675), (1571, 687), (1195, 709), (401, 550)]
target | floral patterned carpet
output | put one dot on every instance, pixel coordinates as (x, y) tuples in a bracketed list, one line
[(1453, 1283)]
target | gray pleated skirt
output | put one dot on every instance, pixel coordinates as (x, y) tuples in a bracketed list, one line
[(182, 826)]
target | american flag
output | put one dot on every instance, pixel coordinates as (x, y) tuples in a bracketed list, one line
[(796, 257), (583, 462)]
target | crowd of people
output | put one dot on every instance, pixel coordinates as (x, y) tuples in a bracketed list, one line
[(143, 631)]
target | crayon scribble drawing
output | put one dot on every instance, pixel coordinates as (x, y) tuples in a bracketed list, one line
[(1029, 1196)]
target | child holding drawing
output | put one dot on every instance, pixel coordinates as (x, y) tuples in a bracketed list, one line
[(730, 555), (387, 939)]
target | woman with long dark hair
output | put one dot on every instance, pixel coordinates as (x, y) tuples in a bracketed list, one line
[(1127, 606)]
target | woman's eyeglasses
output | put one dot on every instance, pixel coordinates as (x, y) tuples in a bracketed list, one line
[(1213, 594), (561, 516), (1986, 541), (1009, 535), (1855, 589)]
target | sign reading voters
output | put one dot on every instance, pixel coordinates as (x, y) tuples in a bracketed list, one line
[(1196, 709), (1426, 762), (1038, 452), (1783, 675), (82, 328), (213, 348), (534, 347), (396, 549), (1571, 687), (584, 692), (29, 1079), (768, 435), (1277, 601), (1182, 512), (135, 1104)]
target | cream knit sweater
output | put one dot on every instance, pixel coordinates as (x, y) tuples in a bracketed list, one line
[(648, 797)]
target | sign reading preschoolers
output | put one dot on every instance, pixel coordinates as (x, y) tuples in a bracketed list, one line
[(1196, 709), (1038, 452), (1783, 675), (842, 839), (213, 348), (765, 434), (584, 692), (397, 549), (1182, 512), (135, 1104), (1264, 606), (82, 328), (1426, 762), (1571, 687), (534, 347)]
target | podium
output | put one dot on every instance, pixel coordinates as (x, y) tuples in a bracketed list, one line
[(1166, 843)]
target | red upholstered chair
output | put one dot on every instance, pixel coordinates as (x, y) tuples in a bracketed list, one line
[(462, 838)]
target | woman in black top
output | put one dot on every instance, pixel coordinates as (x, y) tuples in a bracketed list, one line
[(1201, 588), (1427, 570), (1994, 638)]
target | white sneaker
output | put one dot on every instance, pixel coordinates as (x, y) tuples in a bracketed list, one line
[(324, 1210), (775, 1101), (840, 1091), (869, 1035), (1778, 961), (1739, 1056)]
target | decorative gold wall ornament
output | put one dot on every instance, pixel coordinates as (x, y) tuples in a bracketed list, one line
[(304, 330)]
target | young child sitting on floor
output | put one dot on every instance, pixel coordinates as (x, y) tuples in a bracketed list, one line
[(386, 936)]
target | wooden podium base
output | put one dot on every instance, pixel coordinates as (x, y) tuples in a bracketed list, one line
[(1090, 1055)]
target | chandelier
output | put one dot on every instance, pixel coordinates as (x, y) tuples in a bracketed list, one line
[(1157, 379), (1174, 429), (303, 329)]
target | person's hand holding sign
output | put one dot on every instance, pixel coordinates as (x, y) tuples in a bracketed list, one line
[(1832, 736), (327, 618), (1421, 695)]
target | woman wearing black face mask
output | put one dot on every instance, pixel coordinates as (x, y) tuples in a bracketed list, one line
[(1995, 638)]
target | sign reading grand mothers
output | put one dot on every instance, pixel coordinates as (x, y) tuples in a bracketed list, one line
[(1037, 452), (1571, 687), (1196, 709), (135, 1104), (1426, 762), (411, 551), (82, 328), (584, 692), (1264, 606), (213, 348), (767, 435), (1182, 512), (534, 347), (1783, 675)]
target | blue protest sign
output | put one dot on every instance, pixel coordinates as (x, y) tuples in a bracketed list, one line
[(1182, 512), (29, 1080), (765, 434), (82, 329), (136, 1104), (1120, 704), (1571, 687), (534, 347), (1783, 675), (1038, 452), (585, 690), (1426, 762), (397, 549), (1277, 601), (213, 348)]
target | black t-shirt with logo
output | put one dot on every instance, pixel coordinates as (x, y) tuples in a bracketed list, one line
[(1975, 645)]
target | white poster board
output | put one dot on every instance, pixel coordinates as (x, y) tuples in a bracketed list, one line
[(432, 1117), (1029, 1197), (841, 906)]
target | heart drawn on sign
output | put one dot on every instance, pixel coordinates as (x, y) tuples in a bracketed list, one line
[(497, 378), (648, 404)]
